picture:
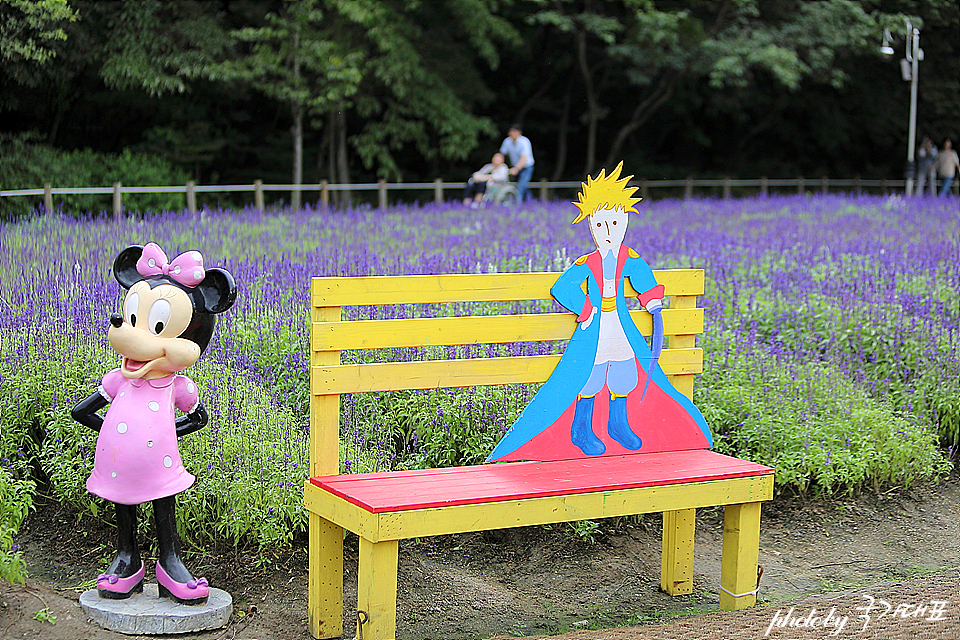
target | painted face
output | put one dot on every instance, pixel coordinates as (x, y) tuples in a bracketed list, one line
[(608, 226), (148, 336)]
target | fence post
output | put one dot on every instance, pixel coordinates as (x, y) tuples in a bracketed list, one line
[(117, 200), (324, 193), (48, 198), (883, 186), (438, 190), (258, 195), (824, 184), (543, 189), (191, 197), (857, 187), (644, 189), (764, 186), (382, 192), (801, 186), (726, 187)]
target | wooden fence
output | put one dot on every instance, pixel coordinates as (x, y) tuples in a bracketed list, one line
[(723, 187)]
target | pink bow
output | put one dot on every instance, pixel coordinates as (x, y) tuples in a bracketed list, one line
[(187, 268)]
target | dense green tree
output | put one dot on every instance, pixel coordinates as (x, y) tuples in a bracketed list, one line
[(405, 89), (28, 28)]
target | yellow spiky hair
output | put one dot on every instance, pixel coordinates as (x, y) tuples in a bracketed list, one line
[(608, 191)]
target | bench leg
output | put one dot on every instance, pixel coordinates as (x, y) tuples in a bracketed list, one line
[(741, 550), (377, 590), (676, 570), (325, 588)]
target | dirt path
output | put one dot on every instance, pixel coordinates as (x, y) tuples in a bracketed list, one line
[(902, 547)]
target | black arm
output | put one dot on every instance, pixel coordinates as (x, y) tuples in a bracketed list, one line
[(86, 411), (193, 421)]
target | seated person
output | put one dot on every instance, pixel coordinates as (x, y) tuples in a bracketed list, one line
[(494, 172)]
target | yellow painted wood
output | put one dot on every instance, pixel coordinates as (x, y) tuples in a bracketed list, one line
[(337, 510), (354, 291), (550, 510), (741, 550), (438, 374), (683, 301), (683, 384), (422, 332), (325, 410), (377, 590), (325, 580), (676, 561)]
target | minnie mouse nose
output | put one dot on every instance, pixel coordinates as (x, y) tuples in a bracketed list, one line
[(116, 320)]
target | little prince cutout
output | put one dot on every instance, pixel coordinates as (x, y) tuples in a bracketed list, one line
[(608, 394)]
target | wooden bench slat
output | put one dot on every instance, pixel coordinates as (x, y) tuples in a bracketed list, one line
[(445, 374), (437, 488), (468, 287), (422, 332)]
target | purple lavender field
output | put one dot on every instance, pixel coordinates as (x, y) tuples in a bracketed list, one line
[(831, 346)]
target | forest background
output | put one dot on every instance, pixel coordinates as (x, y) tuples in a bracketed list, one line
[(226, 92)]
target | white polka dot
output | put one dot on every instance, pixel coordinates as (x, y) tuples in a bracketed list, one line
[(149, 443), (190, 387), (153, 406), (196, 255), (152, 262), (176, 269), (121, 394), (198, 274), (113, 474), (122, 427), (167, 461)]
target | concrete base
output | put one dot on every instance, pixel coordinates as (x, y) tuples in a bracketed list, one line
[(148, 614)]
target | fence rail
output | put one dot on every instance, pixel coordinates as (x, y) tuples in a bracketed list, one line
[(438, 186)]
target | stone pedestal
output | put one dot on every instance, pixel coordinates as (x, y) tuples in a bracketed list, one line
[(148, 614)]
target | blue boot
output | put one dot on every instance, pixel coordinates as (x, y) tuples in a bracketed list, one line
[(619, 428), (581, 433)]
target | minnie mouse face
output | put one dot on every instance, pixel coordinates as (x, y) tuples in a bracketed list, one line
[(168, 311)]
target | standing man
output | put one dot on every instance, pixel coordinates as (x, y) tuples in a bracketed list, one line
[(519, 151), (947, 165)]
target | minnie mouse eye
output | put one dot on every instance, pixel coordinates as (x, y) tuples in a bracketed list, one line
[(158, 316), (130, 306)]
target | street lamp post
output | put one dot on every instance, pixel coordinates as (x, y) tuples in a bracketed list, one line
[(909, 67)]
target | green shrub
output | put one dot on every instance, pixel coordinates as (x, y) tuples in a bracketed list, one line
[(16, 497), (823, 433), (26, 164)]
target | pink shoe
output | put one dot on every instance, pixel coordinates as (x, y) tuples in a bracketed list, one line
[(193, 592), (110, 585)]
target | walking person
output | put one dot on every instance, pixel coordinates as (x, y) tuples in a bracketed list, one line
[(519, 152), (926, 166), (947, 165)]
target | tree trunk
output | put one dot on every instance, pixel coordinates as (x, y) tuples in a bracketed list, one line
[(592, 108), (343, 166), (561, 162), (297, 128), (642, 113)]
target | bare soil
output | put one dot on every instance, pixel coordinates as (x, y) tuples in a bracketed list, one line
[(902, 547)]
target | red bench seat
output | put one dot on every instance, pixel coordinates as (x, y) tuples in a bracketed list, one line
[(437, 488)]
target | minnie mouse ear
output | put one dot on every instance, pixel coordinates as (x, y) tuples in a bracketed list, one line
[(218, 289), (125, 266)]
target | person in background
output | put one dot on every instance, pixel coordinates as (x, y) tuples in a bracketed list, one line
[(490, 174), (947, 165), (519, 151), (926, 166)]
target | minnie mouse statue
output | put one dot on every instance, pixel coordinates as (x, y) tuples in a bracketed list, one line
[(167, 321)]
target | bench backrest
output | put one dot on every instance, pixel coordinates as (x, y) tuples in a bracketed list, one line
[(330, 334)]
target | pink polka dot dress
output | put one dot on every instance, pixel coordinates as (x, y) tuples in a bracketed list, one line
[(137, 458)]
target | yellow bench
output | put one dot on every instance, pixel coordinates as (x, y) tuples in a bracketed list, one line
[(383, 508)]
